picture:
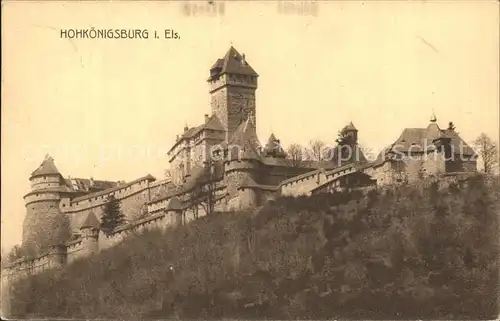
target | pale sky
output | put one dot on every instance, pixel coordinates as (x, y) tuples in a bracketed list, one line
[(110, 108)]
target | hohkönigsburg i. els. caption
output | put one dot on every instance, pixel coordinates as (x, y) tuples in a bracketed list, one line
[(93, 33)]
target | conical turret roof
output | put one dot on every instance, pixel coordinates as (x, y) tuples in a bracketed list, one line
[(174, 204), (273, 147), (245, 141), (350, 127), (47, 167), (91, 221)]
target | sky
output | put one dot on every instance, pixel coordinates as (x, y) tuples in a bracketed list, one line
[(111, 108)]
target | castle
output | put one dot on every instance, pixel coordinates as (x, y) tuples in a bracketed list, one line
[(223, 155)]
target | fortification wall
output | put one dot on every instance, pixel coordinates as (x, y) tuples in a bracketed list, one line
[(304, 184), (132, 197), (383, 174), (44, 225), (433, 164), (75, 250), (233, 178)]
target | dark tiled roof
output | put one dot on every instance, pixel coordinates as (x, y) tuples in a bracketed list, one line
[(46, 168), (88, 185), (421, 139), (232, 63), (350, 126), (213, 123), (248, 182), (456, 141), (91, 221), (245, 142), (273, 147), (174, 204), (116, 188)]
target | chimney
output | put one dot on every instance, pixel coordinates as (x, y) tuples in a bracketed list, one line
[(177, 137), (243, 61), (206, 118)]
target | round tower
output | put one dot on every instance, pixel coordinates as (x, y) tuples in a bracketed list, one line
[(242, 166), (90, 234), (44, 225)]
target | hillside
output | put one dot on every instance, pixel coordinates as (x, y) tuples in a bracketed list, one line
[(400, 253)]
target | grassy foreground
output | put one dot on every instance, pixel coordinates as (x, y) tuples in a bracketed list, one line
[(398, 254)]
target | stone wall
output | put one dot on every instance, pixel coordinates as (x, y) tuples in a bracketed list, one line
[(303, 184), (433, 164), (133, 199), (91, 241), (44, 225)]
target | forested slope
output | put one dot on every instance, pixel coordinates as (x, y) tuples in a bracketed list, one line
[(410, 252)]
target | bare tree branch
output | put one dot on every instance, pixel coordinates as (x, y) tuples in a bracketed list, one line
[(487, 150)]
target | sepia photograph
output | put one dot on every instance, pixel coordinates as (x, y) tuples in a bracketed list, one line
[(250, 160)]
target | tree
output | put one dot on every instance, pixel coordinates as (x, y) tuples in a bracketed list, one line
[(294, 155), (202, 192), (344, 139), (112, 216), (14, 254), (317, 149), (487, 150)]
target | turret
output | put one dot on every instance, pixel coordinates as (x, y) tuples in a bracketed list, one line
[(43, 224), (243, 158), (273, 148), (174, 212), (46, 176), (351, 132), (90, 234)]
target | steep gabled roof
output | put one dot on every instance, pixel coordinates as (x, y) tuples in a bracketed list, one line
[(213, 123), (273, 147), (421, 139), (174, 204), (456, 141), (233, 63), (91, 221), (46, 168), (244, 142), (350, 127)]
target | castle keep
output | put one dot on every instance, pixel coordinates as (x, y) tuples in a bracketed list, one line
[(223, 152)]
